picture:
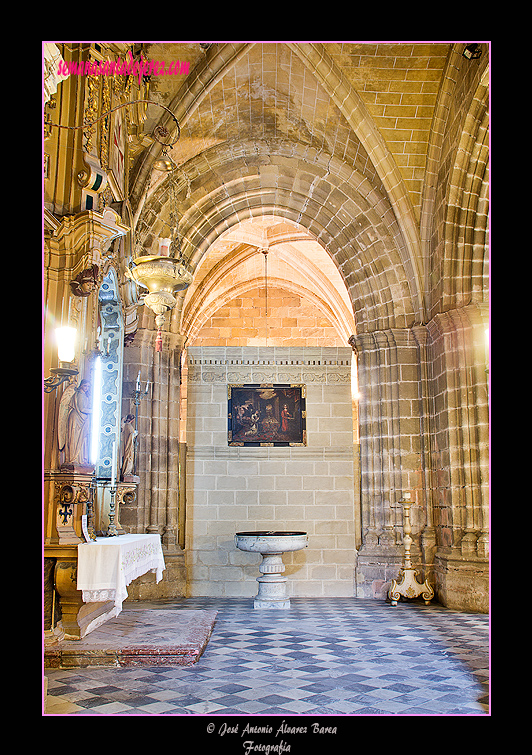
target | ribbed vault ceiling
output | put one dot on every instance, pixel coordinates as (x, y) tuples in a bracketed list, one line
[(329, 139)]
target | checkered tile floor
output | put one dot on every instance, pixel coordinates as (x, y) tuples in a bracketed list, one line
[(337, 656)]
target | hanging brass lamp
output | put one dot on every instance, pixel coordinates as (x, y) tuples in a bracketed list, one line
[(163, 276)]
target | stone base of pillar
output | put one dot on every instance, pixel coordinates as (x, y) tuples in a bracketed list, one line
[(279, 604), (172, 586), (375, 570), (462, 583)]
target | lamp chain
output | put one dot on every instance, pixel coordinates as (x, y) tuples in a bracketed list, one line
[(158, 130), (265, 253)]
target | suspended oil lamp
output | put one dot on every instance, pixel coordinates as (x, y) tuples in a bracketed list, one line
[(163, 276)]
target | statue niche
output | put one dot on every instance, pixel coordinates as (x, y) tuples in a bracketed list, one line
[(74, 428), (129, 434)]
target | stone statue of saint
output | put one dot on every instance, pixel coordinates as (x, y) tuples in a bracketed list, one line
[(74, 425), (128, 445)]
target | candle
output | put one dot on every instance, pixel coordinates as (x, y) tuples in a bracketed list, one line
[(138, 382), (113, 466), (407, 496), (164, 247)]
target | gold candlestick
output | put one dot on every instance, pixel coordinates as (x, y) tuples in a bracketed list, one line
[(112, 530), (90, 509), (407, 584)]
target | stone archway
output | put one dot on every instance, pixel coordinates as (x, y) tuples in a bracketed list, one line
[(369, 153), (354, 203), (349, 217), (236, 265), (354, 222)]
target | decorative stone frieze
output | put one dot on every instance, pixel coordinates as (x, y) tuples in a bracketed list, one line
[(326, 366)]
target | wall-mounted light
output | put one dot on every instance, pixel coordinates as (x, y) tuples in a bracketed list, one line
[(66, 352), (472, 51)]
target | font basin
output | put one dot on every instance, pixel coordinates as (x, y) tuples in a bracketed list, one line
[(265, 542)]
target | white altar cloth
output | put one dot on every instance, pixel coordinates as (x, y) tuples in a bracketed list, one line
[(108, 564)]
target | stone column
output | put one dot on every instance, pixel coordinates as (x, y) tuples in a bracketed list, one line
[(428, 535), (138, 357), (391, 452), (157, 504), (164, 442), (172, 402), (461, 456)]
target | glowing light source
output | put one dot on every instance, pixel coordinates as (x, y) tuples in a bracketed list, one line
[(66, 352), (66, 344), (355, 393), (96, 401)]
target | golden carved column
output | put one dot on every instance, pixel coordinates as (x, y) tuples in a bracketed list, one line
[(71, 496), (70, 598), (126, 494)]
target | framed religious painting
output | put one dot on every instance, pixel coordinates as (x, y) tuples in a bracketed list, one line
[(266, 415)]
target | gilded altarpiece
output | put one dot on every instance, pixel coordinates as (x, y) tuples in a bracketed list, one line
[(86, 244)]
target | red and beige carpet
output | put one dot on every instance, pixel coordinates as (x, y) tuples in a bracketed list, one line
[(138, 638)]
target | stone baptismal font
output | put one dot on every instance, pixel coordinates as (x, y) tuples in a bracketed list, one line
[(271, 545)]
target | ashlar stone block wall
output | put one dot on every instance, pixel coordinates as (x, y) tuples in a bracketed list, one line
[(309, 488)]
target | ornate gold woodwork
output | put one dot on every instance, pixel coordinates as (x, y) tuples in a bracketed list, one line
[(76, 616), (71, 499), (70, 598), (125, 494), (81, 240)]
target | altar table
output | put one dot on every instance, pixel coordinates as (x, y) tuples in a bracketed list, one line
[(108, 564)]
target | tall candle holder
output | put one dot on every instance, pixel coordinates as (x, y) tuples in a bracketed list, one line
[(137, 396), (90, 509), (407, 583), (112, 530)]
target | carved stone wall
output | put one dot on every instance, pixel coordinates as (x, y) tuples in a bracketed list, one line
[(391, 452), (460, 457), (424, 429)]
